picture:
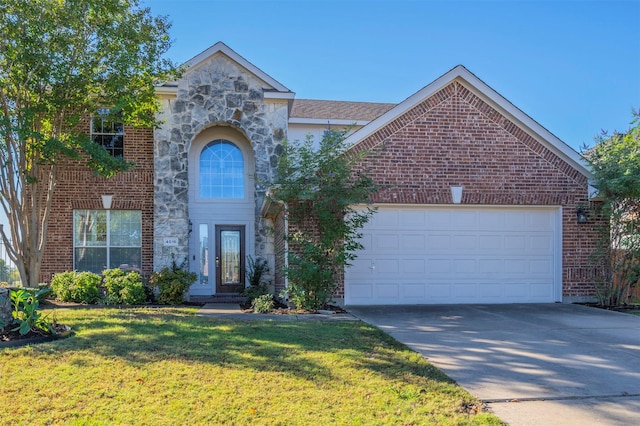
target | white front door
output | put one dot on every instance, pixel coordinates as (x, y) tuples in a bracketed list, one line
[(461, 254)]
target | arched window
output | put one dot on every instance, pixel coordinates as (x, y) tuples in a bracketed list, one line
[(221, 170)]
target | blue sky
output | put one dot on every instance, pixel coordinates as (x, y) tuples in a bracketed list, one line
[(573, 66)]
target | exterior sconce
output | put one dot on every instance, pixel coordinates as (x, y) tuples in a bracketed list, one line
[(190, 227), (581, 215), (106, 201), (456, 194)]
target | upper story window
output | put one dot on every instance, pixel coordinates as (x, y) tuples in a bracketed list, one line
[(221, 170), (108, 131)]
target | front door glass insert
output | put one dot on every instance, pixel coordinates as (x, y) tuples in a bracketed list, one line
[(229, 258)]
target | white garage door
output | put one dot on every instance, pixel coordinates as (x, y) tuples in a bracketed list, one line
[(430, 255)]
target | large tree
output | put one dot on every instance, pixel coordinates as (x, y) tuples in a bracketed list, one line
[(615, 162), (60, 62)]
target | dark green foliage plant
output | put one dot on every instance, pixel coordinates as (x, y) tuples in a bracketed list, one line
[(123, 287), (79, 287), (256, 269), (327, 199), (26, 311), (615, 164), (172, 282), (263, 304)]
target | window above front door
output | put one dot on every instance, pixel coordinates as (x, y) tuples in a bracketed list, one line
[(221, 171)]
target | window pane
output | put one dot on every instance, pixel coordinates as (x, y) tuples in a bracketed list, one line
[(204, 254), (90, 259), (221, 171), (108, 131), (126, 258), (125, 228), (90, 228)]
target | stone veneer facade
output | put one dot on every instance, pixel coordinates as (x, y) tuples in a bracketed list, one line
[(218, 92)]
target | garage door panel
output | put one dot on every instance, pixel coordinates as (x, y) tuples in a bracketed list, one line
[(437, 242), (413, 267), (457, 255), (540, 243), (387, 266), (464, 267), (386, 241), (490, 242), (387, 291), (463, 242), (438, 219), (412, 242), (439, 266), (411, 291), (464, 219)]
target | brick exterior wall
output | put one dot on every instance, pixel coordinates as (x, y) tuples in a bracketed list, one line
[(454, 138), (78, 188)]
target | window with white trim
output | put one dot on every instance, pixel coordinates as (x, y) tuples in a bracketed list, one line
[(108, 131), (104, 239), (221, 170)]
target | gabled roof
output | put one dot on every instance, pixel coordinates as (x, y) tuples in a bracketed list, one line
[(487, 94), (338, 110), (275, 89)]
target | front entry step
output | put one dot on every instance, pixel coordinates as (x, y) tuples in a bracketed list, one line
[(219, 298)]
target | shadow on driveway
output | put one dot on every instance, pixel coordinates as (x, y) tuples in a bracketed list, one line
[(532, 363)]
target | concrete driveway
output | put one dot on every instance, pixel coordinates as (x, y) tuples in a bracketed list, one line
[(533, 364)]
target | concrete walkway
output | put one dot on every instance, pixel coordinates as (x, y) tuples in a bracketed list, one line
[(534, 364), (233, 311)]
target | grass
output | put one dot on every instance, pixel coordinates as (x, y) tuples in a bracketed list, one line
[(168, 367)]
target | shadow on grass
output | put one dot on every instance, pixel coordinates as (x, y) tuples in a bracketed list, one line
[(306, 349)]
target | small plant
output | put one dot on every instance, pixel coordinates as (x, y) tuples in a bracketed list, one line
[(263, 304), (26, 311), (256, 268), (123, 287), (79, 287), (172, 282)]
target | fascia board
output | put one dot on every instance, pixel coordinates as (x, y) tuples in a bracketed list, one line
[(279, 95), (166, 90)]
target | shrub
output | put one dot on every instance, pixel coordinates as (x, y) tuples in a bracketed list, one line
[(26, 311), (79, 287), (172, 282), (255, 270), (262, 304), (61, 285), (321, 185), (86, 288), (123, 287)]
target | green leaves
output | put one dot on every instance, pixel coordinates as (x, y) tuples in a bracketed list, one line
[(321, 187), (26, 311), (615, 162), (60, 62)]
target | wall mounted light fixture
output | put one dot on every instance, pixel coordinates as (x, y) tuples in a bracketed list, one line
[(456, 194), (581, 215), (190, 227), (106, 201)]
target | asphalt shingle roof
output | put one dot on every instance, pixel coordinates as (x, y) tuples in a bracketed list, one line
[(338, 110)]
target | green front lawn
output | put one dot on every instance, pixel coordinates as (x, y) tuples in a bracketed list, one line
[(168, 366)]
